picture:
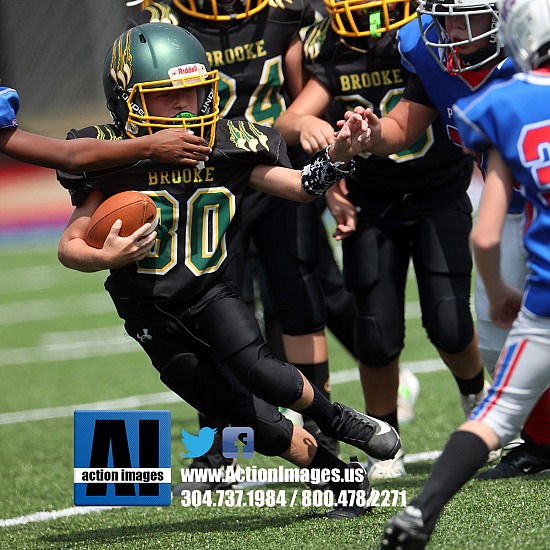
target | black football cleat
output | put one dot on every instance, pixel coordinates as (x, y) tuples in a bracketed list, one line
[(405, 531), (375, 437), (212, 460), (525, 459), (350, 504)]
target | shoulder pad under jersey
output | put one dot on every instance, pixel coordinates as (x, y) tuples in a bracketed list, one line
[(77, 183), (250, 142)]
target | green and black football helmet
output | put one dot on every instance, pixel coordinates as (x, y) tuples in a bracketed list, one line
[(150, 58)]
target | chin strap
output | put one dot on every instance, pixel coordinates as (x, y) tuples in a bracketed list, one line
[(465, 61), (451, 69)]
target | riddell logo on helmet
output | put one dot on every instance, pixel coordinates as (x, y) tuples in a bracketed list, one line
[(185, 70)]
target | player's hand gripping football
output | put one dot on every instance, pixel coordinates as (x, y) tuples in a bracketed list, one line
[(120, 251), (178, 145)]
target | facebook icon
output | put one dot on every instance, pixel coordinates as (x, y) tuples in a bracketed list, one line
[(234, 434)]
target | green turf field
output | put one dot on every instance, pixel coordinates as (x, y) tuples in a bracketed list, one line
[(63, 347)]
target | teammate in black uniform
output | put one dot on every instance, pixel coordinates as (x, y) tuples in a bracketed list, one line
[(256, 49), (412, 204), (169, 286)]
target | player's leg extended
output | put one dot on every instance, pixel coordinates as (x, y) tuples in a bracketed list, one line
[(443, 266), (521, 377), (533, 454), (226, 325), (376, 262)]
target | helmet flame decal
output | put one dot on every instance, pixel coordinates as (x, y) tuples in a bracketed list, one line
[(122, 57)]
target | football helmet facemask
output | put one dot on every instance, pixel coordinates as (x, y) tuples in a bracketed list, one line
[(357, 18), (153, 58), (525, 29), (445, 51), (221, 10), (141, 3)]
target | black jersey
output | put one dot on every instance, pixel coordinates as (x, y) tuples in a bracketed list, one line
[(369, 73), (248, 54), (199, 208)]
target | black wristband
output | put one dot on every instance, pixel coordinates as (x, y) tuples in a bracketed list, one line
[(319, 174)]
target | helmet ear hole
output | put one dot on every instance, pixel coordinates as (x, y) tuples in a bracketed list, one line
[(113, 109)]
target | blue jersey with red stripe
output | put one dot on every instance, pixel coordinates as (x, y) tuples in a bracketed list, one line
[(443, 89), (514, 117), (9, 105)]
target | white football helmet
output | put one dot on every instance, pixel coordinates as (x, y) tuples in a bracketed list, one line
[(525, 30), (445, 51)]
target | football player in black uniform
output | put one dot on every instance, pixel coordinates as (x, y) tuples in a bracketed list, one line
[(257, 51), (411, 205), (169, 287)]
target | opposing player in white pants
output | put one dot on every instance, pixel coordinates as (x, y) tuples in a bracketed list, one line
[(518, 154), (491, 338)]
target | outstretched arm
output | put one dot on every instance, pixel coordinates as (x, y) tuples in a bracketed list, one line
[(321, 172), (399, 129), (79, 155)]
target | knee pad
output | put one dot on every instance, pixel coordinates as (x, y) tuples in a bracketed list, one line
[(374, 348), (272, 432), (177, 371), (273, 380), (452, 329)]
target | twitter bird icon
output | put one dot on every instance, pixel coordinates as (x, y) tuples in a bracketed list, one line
[(198, 445)]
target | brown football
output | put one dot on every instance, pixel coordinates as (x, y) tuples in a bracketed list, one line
[(132, 207)]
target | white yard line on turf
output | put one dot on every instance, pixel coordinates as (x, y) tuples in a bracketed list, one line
[(55, 514), (349, 375)]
